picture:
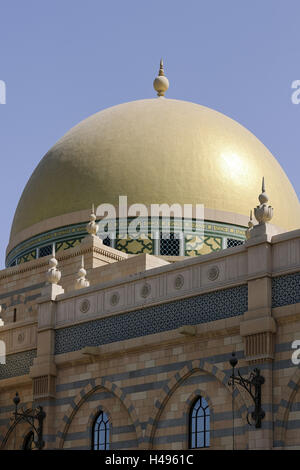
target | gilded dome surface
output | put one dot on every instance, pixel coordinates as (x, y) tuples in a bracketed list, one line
[(156, 151)]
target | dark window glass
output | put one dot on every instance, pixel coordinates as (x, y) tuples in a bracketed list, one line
[(199, 432), (100, 432)]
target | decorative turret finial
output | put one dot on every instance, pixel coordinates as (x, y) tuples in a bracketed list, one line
[(161, 83), (92, 227), (53, 274), (81, 281), (263, 213), (250, 227)]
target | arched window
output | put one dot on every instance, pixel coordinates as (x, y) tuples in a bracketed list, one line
[(28, 441), (199, 432), (100, 432)]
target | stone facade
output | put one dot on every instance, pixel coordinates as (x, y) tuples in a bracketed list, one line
[(148, 337)]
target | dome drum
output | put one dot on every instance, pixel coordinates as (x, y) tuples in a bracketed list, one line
[(216, 236)]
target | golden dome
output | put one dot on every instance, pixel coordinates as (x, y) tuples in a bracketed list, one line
[(156, 151)]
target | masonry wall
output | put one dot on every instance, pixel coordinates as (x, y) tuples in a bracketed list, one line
[(147, 379)]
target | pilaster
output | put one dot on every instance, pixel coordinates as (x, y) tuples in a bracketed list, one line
[(258, 327), (43, 371)]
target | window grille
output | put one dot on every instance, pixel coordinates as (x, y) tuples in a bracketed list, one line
[(45, 251), (169, 244), (233, 242)]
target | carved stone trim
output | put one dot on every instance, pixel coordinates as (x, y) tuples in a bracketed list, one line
[(260, 347), (85, 306), (43, 387), (179, 282), (145, 290), (114, 299), (213, 273)]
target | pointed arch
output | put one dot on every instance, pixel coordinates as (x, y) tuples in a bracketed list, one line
[(282, 415), (190, 368), (84, 394)]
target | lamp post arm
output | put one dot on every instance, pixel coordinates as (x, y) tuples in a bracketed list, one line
[(246, 384), (252, 385), (40, 415), (27, 418)]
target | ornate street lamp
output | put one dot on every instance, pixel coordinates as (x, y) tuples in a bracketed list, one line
[(252, 385), (38, 415)]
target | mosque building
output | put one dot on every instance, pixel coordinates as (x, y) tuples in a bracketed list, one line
[(125, 341)]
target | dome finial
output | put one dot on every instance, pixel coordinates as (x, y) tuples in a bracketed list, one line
[(161, 72), (161, 83)]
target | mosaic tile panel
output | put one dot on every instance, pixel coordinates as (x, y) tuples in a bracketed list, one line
[(65, 245), (27, 257), (135, 246), (199, 309), (286, 290), (17, 364), (195, 245)]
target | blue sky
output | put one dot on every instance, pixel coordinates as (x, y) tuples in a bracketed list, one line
[(64, 60)]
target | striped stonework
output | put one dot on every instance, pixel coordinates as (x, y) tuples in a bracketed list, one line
[(147, 338)]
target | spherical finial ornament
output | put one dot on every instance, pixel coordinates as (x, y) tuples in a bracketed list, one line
[(53, 274), (161, 83), (233, 360), (81, 281), (16, 399), (92, 227)]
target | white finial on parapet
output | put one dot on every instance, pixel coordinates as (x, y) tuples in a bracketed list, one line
[(250, 226), (81, 281), (92, 227), (53, 274), (1, 321), (263, 213)]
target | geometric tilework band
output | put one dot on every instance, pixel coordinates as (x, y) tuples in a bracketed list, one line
[(198, 309), (17, 364), (286, 290)]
